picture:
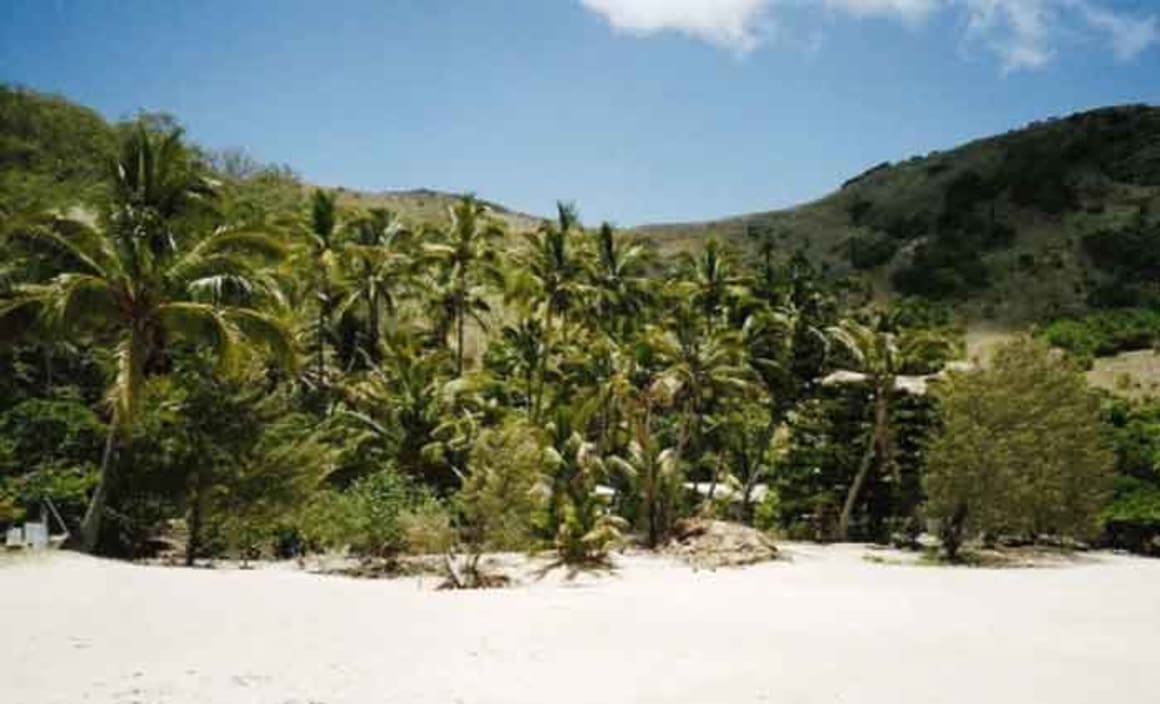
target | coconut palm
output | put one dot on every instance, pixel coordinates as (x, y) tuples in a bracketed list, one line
[(142, 283), (468, 265), (584, 530), (526, 343), (699, 370), (555, 262), (619, 283), (324, 263), (654, 476), (875, 352), (713, 283), (379, 260)]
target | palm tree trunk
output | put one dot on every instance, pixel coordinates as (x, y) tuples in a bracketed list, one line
[(651, 498), (459, 343), (374, 325), (320, 350), (91, 524), (196, 514), (48, 369), (874, 444)]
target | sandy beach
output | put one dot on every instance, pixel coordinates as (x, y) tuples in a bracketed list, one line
[(826, 625)]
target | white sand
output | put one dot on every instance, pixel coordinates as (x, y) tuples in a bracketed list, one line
[(828, 627)]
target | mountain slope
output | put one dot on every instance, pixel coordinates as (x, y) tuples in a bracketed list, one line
[(1049, 220), (428, 206), (54, 152), (1038, 222)]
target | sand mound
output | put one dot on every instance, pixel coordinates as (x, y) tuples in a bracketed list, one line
[(706, 544)]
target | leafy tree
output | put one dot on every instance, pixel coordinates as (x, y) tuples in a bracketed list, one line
[(143, 283), (47, 451), (1132, 518), (1021, 451)]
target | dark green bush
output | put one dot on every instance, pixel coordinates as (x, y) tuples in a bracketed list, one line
[(870, 250), (1132, 520), (1105, 332)]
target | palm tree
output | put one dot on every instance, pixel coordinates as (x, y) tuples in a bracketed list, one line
[(653, 472), (576, 512), (323, 221), (400, 403), (619, 282), (699, 371), (714, 283), (527, 344), (379, 258), (469, 265), (876, 354), (555, 263), (142, 283)]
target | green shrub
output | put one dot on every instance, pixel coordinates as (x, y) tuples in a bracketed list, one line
[(366, 518), (1132, 520), (1105, 332), (426, 526), (48, 449), (581, 541), (767, 512), (502, 500)]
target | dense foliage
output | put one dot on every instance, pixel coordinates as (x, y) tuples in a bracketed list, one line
[(203, 356), (1021, 450)]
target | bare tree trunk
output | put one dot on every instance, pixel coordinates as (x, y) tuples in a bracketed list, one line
[(951, 532), (90, 531), (193, 542), (855, 490), (876, 444)]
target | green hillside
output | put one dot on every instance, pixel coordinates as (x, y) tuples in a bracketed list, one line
[(1044, 221), (51, 150), (425, 205), (54, 152)]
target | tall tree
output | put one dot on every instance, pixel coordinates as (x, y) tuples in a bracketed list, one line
[(379, 258), (619, 283), (323, 222), (881, 355), (1022, 450), (466, 255), (555, 262), (144, 282)]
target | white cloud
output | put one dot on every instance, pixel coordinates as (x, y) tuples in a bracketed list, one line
[(1023, 34), (1019, 31), (913, 11), (1127, 35), (728, 23)]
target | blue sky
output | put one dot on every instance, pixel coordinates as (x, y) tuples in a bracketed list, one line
[(639, 110)]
